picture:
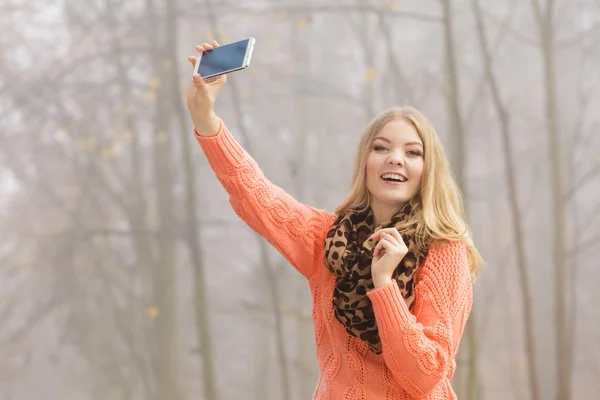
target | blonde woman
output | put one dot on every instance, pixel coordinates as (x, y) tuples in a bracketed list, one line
[(390, 271)]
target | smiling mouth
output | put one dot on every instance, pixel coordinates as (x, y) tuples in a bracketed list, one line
[(394, 178)]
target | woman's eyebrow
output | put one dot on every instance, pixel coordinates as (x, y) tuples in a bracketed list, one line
[(406, 144), (384, 139)]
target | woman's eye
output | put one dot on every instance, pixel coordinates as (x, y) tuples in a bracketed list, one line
[(415, 153), (378, 148)]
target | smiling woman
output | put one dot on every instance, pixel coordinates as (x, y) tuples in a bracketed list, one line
[(394, 168), (390, 271)]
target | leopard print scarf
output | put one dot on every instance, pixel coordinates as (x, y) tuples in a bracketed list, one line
[(349, 257)]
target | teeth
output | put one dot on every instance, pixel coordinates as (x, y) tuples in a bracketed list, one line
[(394, 176)]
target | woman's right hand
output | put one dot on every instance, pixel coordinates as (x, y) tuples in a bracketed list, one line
[(202, 96)]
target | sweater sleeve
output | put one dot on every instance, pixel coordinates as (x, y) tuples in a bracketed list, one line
[(294, 229), (419, 347)]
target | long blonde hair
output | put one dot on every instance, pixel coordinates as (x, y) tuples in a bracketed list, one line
[(438, 208)]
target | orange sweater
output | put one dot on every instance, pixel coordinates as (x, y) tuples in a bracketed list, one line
[(419, 346)]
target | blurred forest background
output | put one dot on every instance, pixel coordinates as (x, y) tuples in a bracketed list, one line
[(125, 275)]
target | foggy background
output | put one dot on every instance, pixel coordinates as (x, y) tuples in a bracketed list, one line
[(124, 273)]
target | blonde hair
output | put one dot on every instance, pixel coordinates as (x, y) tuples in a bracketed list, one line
[(438, 208)]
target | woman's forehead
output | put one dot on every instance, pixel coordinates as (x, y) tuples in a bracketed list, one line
[(399, 131)]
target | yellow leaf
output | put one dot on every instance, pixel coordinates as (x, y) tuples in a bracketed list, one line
[(447, 88), (154, 82), (109, 152), (280, 15), (152, 312), (274, 43), (370, 74), (89, 143), (127, 136), (305, 313), (151, 95), (302, 23), (127, 110), (161, 137), (394, 6)]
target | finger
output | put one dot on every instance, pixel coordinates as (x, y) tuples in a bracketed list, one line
[(382, 247), (203, 47), (212, 79), (378, 235), (392, 239), (199, 82), (377, 255), (388, 246), (377, 251), (374, 236), (219, 80), (215, 44), (192, 60), (392, 231)]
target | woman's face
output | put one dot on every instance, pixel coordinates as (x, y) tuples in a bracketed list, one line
[(395, 165)]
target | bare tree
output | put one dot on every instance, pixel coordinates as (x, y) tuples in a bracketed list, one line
[(457, 159), (163, 269), (545, 23), (191, 228), (515, 209)]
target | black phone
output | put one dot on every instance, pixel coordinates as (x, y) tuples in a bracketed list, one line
[(225, 58)]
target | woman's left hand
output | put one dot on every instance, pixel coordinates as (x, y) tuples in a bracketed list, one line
[(388, 253)]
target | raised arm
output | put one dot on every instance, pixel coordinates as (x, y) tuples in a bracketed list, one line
[(296, 230), (419, 347)]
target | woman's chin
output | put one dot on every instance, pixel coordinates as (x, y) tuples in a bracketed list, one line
[(395, 201)]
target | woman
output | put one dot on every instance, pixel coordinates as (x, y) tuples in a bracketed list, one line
[(390, 272)]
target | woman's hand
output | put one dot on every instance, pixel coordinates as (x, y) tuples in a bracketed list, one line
[(388, 253), (202, 96)]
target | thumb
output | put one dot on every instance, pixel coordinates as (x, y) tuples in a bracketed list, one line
[(223, 80), (199, 83)]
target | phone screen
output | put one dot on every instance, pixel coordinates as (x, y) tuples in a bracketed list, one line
[(223, 58)]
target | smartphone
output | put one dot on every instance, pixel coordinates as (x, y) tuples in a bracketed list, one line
[(225, 58)]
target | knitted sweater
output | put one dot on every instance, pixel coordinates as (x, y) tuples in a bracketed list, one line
[(418, 346)]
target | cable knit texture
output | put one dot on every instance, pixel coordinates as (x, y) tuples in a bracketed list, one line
[(419, 346)]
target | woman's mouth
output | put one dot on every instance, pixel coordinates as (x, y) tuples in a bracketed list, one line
[(393, 178)]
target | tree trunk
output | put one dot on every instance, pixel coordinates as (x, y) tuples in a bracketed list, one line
[(457, 159), (164, 269), (402, 90), (135, 211), (191, 228), (546, 34), (263, 247), (515, 210)]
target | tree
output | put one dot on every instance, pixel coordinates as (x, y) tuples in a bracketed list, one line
[(515, 209), (545, 24)]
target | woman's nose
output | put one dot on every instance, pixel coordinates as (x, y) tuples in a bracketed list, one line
[(396, 159)]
